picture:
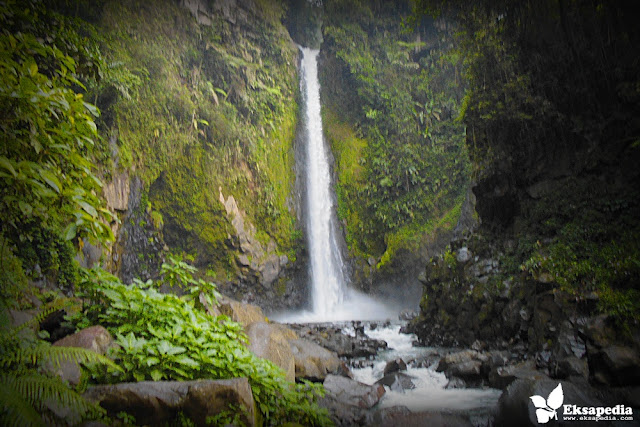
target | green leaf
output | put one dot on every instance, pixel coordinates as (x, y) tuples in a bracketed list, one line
[(7, 164), (25, 207), (70, 231), (156, 375), (88, 208), (50, 179)]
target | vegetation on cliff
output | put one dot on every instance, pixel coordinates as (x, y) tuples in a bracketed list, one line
[(551, 112), (391, 98), (178, 105)]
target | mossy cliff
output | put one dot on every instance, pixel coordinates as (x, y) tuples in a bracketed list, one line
[(390, 101), (200, 126), (553, 134)]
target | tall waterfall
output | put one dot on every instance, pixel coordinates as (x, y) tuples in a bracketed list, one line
[(332, 300), (327, 276)]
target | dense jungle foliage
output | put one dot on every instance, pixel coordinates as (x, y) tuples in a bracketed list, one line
[(551, 112), (57, 62), (391, 101)]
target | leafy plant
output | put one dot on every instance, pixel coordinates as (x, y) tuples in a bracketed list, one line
[(164, 336)]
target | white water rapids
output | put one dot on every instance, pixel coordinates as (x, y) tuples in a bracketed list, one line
[(430, 393)]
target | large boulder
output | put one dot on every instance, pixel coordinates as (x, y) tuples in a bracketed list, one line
[(352, 392), (615, 365), (94, 338), (501, 377), (160, 402), (516, 407), (240, 312), (313, 362), (465, 364), (268, 341)]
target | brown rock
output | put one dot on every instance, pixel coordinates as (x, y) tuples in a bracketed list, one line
[(160, 402), (94, 338), (243, 313), (267, 341), (312, 361)]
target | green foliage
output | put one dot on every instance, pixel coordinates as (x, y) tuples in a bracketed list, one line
[(164, 336), (30, 395), (401, 157), (49, 133), (49, 188)]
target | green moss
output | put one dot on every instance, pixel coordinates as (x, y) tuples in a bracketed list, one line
[(205, 117)]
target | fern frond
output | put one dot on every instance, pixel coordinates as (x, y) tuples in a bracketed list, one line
[(45, 352), (41, 392), (49, 308), (14, 409)]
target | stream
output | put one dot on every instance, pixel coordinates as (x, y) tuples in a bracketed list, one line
[(335, 303)]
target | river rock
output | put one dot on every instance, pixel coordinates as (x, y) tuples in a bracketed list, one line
[(501, 377), (615, 365), (352, 392), (464, 255), (313, 362), (159, 402), (269, 342), (397, 381), (516, 408), (395, 365), (94, 338), (465, 364), (240, 312), (572, 366)]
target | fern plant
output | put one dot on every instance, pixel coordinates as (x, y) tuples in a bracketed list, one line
[(29, 394)]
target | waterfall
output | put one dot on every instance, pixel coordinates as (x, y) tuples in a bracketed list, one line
[(332, 300), (327, 267)]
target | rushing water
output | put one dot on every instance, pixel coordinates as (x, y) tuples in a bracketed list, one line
[(327, 267), (332, 299), (430, 393)]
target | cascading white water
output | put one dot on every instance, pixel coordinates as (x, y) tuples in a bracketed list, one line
[(332, 300), (327, 276)]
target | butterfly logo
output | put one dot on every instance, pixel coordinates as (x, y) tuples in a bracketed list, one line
[(546, 409)]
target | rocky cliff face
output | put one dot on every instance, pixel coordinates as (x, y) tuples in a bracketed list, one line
[(202, 156), (553, 270)]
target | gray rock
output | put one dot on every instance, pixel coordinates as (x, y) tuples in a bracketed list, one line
[(352, 392), (464, 255), (502, 377), (397, 381), (465, 364), (160, 402), (615, 365), (572, 366), (516, 408), (395, 365)]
